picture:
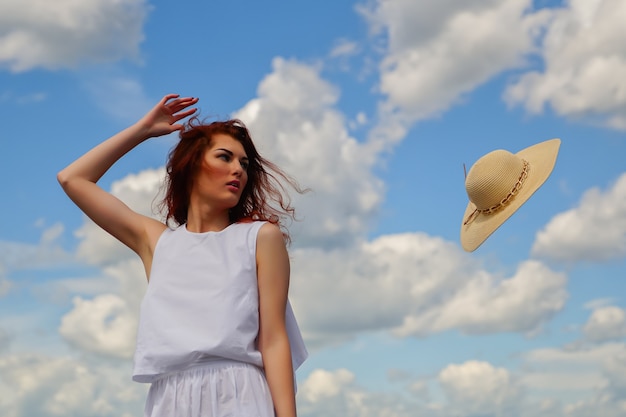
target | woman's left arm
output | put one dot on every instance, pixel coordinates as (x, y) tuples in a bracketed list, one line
[(273, 280)]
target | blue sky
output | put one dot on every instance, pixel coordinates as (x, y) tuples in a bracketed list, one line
[(376, 106)]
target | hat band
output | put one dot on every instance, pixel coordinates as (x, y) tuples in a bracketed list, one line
[(505, 200)]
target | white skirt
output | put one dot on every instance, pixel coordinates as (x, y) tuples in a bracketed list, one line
[(215, 389)]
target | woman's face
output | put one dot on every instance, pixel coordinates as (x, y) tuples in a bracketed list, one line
[(223, 175)]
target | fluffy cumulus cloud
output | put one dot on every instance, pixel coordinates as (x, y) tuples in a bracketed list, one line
[(497, 393), (439, 50), (336, 394), (615, 374), (549, 383), (606, 323), (589, 381), (487, 303), (66, 33), (322, 384), (33, 385), (295, 124), (594, 231), (585, 63), (106, 324), (416, 285)]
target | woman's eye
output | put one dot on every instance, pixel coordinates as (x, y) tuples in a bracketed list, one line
[(245, 165), (224, 157)]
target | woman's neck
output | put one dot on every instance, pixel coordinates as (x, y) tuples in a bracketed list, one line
[(206, 219)]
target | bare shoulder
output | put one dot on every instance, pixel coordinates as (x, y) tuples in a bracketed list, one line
[(270, 232), (272, 259), (270, 241)]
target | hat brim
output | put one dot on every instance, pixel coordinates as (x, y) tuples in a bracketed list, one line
[(541, 159)]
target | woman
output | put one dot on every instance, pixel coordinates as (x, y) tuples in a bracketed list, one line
[(216, 336)]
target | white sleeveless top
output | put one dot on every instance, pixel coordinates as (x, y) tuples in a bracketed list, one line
[(202, 303)]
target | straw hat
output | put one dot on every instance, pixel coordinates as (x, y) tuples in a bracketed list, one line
[(499, 183)]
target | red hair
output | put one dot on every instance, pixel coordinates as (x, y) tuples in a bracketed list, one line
[(264, 196)]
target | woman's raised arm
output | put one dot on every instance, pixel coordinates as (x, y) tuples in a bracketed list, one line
[(80, 177)]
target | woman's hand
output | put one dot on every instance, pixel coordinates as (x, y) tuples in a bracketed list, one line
[(163, 118)]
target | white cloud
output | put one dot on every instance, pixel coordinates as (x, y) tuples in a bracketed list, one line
[(416, 285), (598, 303), (605, 324), (103, 325), (489, 304), (67, 33), (321, 384), (335, 394), (36, 385), (63, 290), (51, 234), (295, 125), (439, 50), (615, 373), (107, 323), (589, 381), (344, 48), (549, 383), (46, 254), (585, 63), (593, 231), (478, 388)]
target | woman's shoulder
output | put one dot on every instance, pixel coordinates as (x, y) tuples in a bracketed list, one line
[(270, 233), (269, 229)]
